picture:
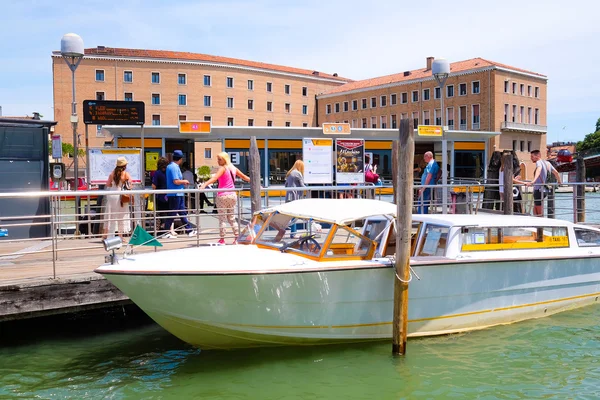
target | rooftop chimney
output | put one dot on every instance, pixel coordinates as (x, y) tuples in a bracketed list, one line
[(406, 73), (36, 115), (335, 74), (315, 72), (429, 62)]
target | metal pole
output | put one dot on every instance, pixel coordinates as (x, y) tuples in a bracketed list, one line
[(143, 161), (444, 156)]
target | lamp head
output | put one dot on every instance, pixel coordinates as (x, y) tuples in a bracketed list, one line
[(71, 45), (112, 243), (440, 69)]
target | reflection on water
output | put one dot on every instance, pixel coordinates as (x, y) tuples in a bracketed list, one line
[(553, 357)]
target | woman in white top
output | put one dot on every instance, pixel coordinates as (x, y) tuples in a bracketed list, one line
[(117, 211)]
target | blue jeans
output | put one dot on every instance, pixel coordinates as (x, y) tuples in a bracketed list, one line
[(425, 202), (177, 207)]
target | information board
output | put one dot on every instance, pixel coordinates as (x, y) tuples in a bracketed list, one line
[(350, 161), (103, 162), (113, 112), (318, 160)]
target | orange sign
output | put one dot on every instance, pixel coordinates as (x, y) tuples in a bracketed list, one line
[(429, 130), (194, 127), (336, 129)]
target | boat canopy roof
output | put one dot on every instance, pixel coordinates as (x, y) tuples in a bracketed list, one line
[(488, 220), (336, 211)]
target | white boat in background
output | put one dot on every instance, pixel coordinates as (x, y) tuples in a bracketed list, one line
[(334, 282)]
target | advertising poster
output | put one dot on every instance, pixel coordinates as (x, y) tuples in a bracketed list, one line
[(317, 155), (350, 160)]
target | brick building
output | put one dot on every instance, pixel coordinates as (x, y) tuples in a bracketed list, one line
[(478, 95)]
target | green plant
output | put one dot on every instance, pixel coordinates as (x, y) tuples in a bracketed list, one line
[(203, 173)]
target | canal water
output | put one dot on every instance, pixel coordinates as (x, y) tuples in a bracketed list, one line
[(556, 357)]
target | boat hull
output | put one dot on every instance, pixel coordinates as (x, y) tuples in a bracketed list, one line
[(334, 306)]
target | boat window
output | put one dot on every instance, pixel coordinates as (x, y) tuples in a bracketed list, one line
[(587, 237), (348, 243), (434, 241), (248, 232), (309, 236), (513, 238)]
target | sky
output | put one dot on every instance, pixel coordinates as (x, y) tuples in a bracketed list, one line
[(356, 39)]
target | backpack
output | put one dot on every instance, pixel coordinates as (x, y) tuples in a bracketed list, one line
[(370, 176), (549, 176)]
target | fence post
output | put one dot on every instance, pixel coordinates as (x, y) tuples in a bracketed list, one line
[(507, 161), (254, 172), (395, 172), (580, 190)]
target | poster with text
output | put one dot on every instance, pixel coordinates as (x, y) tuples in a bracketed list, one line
[(317, 155), (350, 160)]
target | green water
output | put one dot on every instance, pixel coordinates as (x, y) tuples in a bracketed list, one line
[(554, 357)]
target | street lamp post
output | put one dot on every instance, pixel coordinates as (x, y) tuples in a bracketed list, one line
[(440, 70), (71, 49)]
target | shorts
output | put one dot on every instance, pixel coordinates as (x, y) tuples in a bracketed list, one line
[(538, 197)]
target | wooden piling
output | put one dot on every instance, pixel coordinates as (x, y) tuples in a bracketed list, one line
[(580, 165), (254, 174), (508, 200), (404, 184), (395, 173)]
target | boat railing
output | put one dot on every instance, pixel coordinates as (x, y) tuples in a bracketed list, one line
[(68, 228)]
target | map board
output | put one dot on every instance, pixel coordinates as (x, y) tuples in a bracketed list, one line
[(318, 160), (103, 162)]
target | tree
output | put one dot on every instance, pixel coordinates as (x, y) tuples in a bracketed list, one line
[(591, 141), (67, 149)]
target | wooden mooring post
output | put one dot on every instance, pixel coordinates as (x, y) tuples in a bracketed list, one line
[(404, 197), (580, 200), (254, 174), (507, 183)]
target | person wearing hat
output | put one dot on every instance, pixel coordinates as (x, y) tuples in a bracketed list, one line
[(117, 211), (176, 200)]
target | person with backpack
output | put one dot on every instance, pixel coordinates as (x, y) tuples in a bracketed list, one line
[(543, 172)]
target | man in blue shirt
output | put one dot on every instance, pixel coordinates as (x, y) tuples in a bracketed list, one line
[(427, 179), (176, 200)]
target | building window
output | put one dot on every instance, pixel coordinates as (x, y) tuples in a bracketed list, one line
[(230, 102), (394, 121), (354, 124), (269, 87), (207, 152), (450, 117), (415, 118), (426, 119), (529, 90), (181, 79), (437, 113), (269, 123), (426, 94), (506, 112), (536, 116), (415, 96), (250, 104), (182, 100), (287, 89), (155, 99), (182, 117), (229, 121), (529, 146), (514, 113), (373, 102), (304, 91), (383, 101), (522, 115), (383, 122), (99, 75), (305, 108), (528, 115), (305, 124), (374, 122), (207, 118), (506, 86), (328, 109), (288, 124), (354, 105), (393, 99), (450, 91), (522, 89), (128, 96), (404, 98), (514, 87), (250, 84), (250, 122), (346, 106), (364, 104), (207, 80), (155, 119), (337, 107), (288, 108), (364, 122), (462, 89), (522, 145), (475, 87), (475, 113), (514, 145), (229, 82), (269, 106), (462, 116), (156, 77), (437, 93), (537, 92), (99, 95), (207, 101), (128, 76)]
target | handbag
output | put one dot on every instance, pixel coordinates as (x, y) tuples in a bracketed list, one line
[(125, 198), (371, 176)]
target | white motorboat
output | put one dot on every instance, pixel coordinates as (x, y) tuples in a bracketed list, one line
[(334, 282)]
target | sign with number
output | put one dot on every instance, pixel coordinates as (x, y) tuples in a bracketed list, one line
[(194, 127), (113, 112)]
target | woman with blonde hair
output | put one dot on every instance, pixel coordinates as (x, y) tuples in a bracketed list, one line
[(117, 210), (226, 201), (294, 178)]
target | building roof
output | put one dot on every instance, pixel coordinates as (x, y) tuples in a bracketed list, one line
[(424, 73), (185, 56)]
